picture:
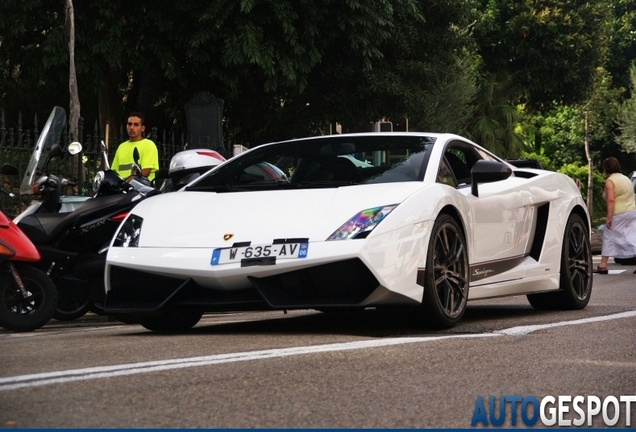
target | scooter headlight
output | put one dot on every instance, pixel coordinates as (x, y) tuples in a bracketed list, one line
[(129, 232), (98, 180)]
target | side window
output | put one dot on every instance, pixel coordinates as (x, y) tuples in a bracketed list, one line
[(461, 159), (457, 163), (445, 174)]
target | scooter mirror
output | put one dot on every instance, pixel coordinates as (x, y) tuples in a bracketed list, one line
[(55, 151), (74, 148), (8, 169)]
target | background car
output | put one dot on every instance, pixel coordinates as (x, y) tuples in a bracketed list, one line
[(420, 221)]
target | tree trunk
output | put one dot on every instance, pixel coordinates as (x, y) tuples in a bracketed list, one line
[(74, 114), (538, 142), (590, 173), (110, 106)]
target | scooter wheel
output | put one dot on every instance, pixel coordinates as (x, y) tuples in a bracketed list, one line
[(22, 314), (71, 304)]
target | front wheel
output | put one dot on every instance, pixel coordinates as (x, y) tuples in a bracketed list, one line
[(22, 314), (446, 276), (172, 321)]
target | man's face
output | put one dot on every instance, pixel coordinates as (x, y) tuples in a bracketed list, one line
[(134, 128)]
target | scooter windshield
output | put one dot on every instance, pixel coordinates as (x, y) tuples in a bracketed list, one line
[(50, 135)]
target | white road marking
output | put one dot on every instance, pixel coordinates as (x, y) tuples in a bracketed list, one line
[(522, 330), (48, 378)]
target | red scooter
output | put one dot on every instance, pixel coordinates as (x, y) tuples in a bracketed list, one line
[(28, 297)]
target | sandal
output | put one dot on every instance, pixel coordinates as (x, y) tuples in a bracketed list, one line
[(600, 270)]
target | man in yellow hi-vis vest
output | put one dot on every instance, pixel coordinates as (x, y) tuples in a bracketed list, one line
[(148, 154)]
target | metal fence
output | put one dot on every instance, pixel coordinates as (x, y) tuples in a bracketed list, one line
[(17, 143)]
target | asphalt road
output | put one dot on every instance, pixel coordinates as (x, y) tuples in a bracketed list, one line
[(307, 369)]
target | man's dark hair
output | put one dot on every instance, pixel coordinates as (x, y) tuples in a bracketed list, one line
[(140, 115), (611, 165)]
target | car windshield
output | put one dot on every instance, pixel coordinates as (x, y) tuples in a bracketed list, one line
[(325, 162)]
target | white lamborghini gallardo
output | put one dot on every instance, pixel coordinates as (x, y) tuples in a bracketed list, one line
[(415, 220)]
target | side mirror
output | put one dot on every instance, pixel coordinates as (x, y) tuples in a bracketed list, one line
[(484, 171), (56, 150), (136, 169), (9, 169), (74, 148)]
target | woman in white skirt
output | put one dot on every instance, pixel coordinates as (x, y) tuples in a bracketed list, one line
[(619, 235)]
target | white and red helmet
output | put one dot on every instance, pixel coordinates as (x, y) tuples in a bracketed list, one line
[(187, 165)]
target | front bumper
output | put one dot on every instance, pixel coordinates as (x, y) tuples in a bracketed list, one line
[(340, 284), (356, 273)]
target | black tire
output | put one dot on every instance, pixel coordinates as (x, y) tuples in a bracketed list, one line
[(97, 308), (71, 305), (171, 322), (446, 277), (575, 281), (26, 314)]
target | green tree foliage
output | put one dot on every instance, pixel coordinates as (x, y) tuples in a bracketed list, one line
[(284, 68), (622, 40), (391, 59), (550, 48), (495, 117), (26, 28), (579, 174), (545, 162), (563, 127), (627, 118)]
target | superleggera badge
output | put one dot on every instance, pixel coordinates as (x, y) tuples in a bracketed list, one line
[(226, 237)]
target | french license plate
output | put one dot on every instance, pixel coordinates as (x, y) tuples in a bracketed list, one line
[(265, 252)]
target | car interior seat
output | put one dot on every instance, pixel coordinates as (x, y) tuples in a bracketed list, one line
[(462, 174)]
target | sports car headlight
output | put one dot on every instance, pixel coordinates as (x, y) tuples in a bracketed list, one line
[(362, 224), (128, 235)]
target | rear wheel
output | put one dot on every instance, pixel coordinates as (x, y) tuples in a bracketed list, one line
[(22, 314), (575, 282), (172, 321), (446, 276), (71, 305)]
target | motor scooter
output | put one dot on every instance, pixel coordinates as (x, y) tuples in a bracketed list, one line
[(27, 295), (73, 245)]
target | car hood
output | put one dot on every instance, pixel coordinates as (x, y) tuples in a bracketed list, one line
[(205, 219)]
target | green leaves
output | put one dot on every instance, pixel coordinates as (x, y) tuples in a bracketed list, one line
[(627, 117), (550, 47)]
